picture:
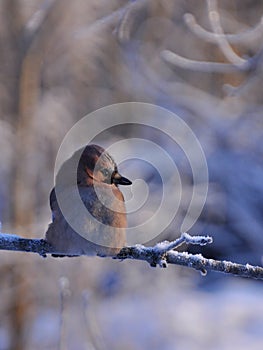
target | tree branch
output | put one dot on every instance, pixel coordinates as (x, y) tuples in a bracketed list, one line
[(17, 243), (35, 23), (221, 39), (237, 63), (195, 261), (200, 66), (161, 254), (252, 34)]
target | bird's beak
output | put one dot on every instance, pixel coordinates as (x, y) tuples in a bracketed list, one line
[(120, 180)]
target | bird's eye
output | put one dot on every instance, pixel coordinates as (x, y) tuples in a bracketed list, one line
[(105, 172)]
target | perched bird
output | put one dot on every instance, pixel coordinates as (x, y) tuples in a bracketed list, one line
[(101, 227)]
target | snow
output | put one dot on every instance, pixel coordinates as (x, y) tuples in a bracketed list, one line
[(8, 237)]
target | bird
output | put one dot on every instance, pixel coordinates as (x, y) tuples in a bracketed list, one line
[(102, 225)]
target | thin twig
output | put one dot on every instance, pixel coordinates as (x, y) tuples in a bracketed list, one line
[(134, 14), (36, 21), (247, 36), (200, 66), (222, 42), (237, 63), (166, 246), (117, 22)]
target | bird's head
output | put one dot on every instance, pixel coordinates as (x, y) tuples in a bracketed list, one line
[(97, 165), (93, 164)]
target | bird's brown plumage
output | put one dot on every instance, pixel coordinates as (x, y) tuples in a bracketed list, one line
[(97, 184)]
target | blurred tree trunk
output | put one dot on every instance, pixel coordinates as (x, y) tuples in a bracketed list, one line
[(25, 179), (25, 68), (11, 9)]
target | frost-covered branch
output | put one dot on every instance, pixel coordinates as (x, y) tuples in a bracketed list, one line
[(237, 63), (247, 36), (215, 22), (134, 13), (195, 261), (121, 22), (200, 66), (36, 21), (161, 254), (20, 244)]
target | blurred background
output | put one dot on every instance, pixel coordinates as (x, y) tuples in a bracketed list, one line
[(60, 60)]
